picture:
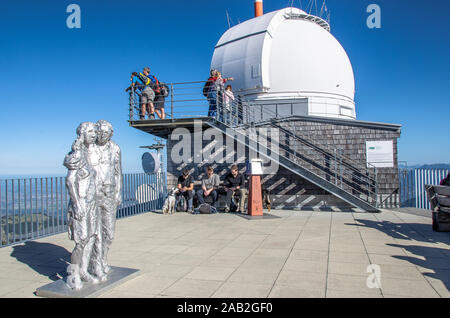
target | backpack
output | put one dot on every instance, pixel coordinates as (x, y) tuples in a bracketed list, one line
[(155, 85), (206, 208), (181, 205), (144, 79), (207, 88), (164, 89)]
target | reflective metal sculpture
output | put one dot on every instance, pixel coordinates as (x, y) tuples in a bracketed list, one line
[(94, 183)]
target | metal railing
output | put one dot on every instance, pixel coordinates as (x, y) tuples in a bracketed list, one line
[(32, 208), (390, 201), (407, 191), (186, 100), (412, 186), (328, 162), (423, 177)]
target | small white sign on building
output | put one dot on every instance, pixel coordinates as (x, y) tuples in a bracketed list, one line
[(380, 154)]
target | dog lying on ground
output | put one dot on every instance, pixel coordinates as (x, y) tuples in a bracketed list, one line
[(169, 203)]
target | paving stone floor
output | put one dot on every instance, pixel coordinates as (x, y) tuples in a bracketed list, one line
[(300, 254)]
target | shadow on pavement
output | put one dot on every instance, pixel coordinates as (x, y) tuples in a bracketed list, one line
[(436, 259), (406, 231), (432, 258), (46, 259)]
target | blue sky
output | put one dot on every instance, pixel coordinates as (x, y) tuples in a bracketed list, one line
[(52, 78)]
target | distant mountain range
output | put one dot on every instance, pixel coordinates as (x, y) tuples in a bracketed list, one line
[(429, 166)]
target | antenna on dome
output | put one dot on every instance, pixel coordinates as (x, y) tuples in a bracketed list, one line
[(324, 11), (312, 9), (228, 19)]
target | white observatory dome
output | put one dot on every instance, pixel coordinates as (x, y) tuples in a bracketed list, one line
[(288, 58)]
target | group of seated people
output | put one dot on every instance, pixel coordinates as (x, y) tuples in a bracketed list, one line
[(234, 183)]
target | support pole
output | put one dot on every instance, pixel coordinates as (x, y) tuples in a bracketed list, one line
[(255, 198)]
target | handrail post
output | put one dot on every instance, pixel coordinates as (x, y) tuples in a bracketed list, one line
[(335, 167), (376, 188), (340, 166), (171, 102), (131, 104)]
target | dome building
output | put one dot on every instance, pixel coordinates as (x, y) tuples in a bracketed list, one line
[(296, 113), (288, 59)]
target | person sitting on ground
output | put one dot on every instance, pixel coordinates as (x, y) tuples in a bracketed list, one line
[(210, 184), (142, 82), (186, 188), (234, 183)]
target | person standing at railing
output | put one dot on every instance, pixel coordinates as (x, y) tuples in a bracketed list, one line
[(210, 93), (213, 91), (220, 92), (160, 97), (143, 83), (228, 101)]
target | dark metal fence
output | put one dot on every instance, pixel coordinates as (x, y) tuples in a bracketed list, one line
[(184, 100), (36, 207)]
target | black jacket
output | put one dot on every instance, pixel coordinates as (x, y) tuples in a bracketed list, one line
[(232, 182)]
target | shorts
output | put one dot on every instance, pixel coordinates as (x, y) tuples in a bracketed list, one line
[(147, 96), (159, 102)]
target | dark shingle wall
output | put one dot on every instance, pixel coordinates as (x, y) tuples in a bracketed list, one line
[(290, 189)]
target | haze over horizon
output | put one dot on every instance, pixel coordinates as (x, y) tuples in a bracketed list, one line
[(54, 77)]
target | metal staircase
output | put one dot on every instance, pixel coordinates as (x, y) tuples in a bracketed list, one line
[(325, 167)]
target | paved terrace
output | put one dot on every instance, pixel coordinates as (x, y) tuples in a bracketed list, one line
[(299, 254)]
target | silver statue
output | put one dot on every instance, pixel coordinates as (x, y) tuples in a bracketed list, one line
[(94, 183), (108, 166)]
